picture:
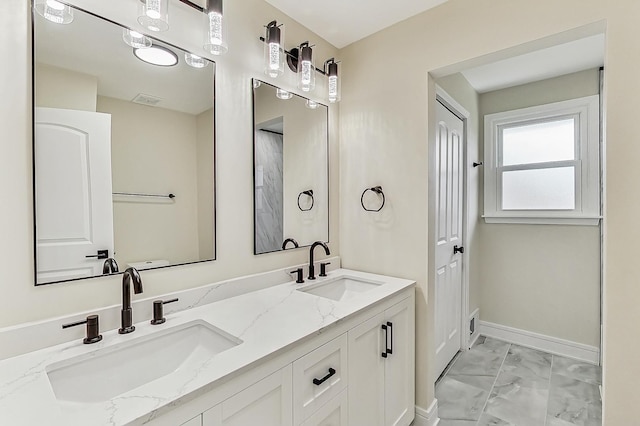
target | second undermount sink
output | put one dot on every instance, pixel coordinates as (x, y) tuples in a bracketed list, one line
[(112, 371), (341, 288)]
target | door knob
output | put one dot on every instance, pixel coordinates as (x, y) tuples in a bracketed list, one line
[(102, 254), (457, 249)]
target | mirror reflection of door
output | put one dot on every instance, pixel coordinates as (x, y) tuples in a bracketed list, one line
[(73, 192)]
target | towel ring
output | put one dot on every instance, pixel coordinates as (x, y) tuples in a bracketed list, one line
[(377, 190), (308, 192)]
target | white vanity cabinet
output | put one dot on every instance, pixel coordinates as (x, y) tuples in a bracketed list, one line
[(266, 403), (382, 368), (356, 374)]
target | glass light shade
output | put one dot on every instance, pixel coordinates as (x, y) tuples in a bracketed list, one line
[(195, 61), (274, 54), (306, 68), (54, 11), (256, 83), (154, 15), (214, 35), (283, 94), (157, 55), (311, 104), (333, 82), (135, 39)]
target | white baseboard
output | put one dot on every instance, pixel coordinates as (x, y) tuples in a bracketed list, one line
[(549, 344), (427, 417)]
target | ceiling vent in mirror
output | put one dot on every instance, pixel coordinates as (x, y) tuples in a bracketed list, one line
[(54, 11), (148, 100)]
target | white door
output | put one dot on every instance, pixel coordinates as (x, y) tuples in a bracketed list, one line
[(449, 213), (266, 403), (399, 372), (73, 193)]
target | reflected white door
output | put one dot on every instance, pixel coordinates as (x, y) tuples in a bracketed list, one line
[(73, 193), (449, 213)]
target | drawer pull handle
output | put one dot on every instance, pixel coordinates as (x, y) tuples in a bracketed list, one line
[(318, 382), (386, 341)]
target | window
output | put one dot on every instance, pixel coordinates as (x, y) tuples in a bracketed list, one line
[(542, 164)]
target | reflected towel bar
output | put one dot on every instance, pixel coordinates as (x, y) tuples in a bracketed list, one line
[(132, 194)]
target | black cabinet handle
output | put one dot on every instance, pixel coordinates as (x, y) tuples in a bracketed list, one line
[(457, 249), (386, 340), (102, 254), (390, 349), (318, 382)]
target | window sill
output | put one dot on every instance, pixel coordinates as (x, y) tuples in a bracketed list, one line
[(545, 220)]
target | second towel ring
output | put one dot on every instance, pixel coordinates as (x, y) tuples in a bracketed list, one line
[(377, 190), (308, 192)]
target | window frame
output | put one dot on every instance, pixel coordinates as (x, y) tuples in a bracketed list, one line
[(585, 112)]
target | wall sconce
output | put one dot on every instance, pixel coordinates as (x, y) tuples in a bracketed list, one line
[(306, 68), (331, 70), (311, 104), (154, 15), (273, 51), (215, 41), (54, 11), (135, 39)]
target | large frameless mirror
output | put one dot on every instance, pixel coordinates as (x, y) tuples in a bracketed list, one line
[(291, 170), (123, 150)]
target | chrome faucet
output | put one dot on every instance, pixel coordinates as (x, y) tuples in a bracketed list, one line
[(110, 266), (312, 272), (126, 326)]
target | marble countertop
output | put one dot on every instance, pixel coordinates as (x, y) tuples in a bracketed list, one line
[(267, 321)]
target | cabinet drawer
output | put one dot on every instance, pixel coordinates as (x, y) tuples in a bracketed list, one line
[(333, 413), (318, 377)]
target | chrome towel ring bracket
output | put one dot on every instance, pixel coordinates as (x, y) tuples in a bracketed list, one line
[(309, 193), (377, 190)]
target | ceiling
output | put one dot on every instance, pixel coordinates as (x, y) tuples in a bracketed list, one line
[(93, 46), (567, 58), (342, 22)]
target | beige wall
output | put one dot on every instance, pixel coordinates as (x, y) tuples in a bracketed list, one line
[(541, 278), (205, 176), (21, 300), (60, 88), (387, 102), (153, 151)]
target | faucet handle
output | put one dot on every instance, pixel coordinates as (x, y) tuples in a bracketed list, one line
[(300, 275), (323, 269), (158, 311), (93, 329)]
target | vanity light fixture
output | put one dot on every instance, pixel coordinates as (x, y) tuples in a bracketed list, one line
[(214, 41), (54, 11), (135, 39), (274, 53), (256, 83), (331, 70), (195, 61), (283, 94), (154, 15), (156, 55), (311, 104), (306, 68)]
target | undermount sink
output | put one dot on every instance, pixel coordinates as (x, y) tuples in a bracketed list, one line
[(112, 371), (341, 288)]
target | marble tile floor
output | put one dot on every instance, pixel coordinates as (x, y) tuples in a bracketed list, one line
[(502, 384)]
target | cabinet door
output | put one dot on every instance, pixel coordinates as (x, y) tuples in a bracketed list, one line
[(366, 373), (333, 413), (399, 374), (266, 403), (196, 421)]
